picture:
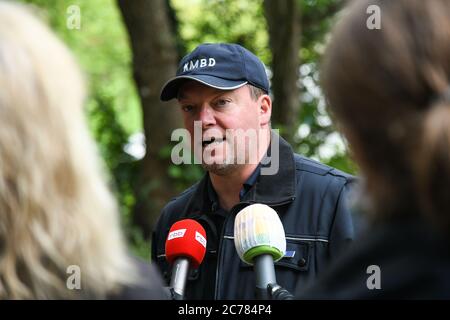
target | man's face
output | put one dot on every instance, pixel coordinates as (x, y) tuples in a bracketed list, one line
[(222, 116)]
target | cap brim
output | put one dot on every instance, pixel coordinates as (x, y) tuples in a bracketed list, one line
[(170, 89)]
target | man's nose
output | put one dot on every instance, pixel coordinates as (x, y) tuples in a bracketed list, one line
[(206, 116)]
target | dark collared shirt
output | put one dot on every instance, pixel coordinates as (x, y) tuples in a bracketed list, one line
[(248, 184)]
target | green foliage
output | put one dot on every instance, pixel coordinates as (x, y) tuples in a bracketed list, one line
[(317, 19), (101, 47), (317, 136), (184, 175), (238, 21), (111, 138)]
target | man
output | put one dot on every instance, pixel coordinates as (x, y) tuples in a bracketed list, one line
[(224, 89)]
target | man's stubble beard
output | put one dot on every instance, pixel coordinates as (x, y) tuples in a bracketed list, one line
[(229, 166), (221, 169)]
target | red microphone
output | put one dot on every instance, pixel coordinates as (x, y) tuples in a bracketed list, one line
[(185, 246)]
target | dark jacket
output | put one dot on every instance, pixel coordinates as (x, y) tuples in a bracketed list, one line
[(412, 259), (311, 200)]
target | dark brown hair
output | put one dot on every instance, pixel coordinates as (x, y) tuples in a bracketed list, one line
[(387, 88)]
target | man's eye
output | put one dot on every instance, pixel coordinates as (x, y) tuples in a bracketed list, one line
[(187, 108), (222, 102)]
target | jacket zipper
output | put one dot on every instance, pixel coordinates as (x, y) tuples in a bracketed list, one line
[(219, 256)]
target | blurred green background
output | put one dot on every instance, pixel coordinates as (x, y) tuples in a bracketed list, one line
[(288, 35)]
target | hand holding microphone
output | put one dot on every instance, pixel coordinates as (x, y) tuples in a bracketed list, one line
[(185, 247), (260, 241)]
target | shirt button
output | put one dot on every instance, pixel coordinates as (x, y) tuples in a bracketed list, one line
[(302, 262)]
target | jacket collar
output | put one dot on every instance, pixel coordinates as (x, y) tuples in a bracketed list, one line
[(278, 188), (273, 190)]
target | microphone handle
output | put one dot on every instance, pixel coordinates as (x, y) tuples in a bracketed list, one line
[(277, 292), (265, 274), (180, 272)]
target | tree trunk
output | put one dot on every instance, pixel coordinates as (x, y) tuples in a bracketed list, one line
[(154, 62), (284, 38)]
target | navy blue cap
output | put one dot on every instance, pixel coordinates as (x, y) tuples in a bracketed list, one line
[(224, 66)]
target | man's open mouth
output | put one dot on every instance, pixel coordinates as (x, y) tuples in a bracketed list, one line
[(212, 140)]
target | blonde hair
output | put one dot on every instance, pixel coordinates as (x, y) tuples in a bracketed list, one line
[(55, 207), (389, 88)]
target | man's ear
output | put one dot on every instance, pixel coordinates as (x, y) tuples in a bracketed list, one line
[(265, 109)]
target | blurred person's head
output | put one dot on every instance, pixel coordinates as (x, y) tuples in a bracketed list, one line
[(389, 89), (55, 207)]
